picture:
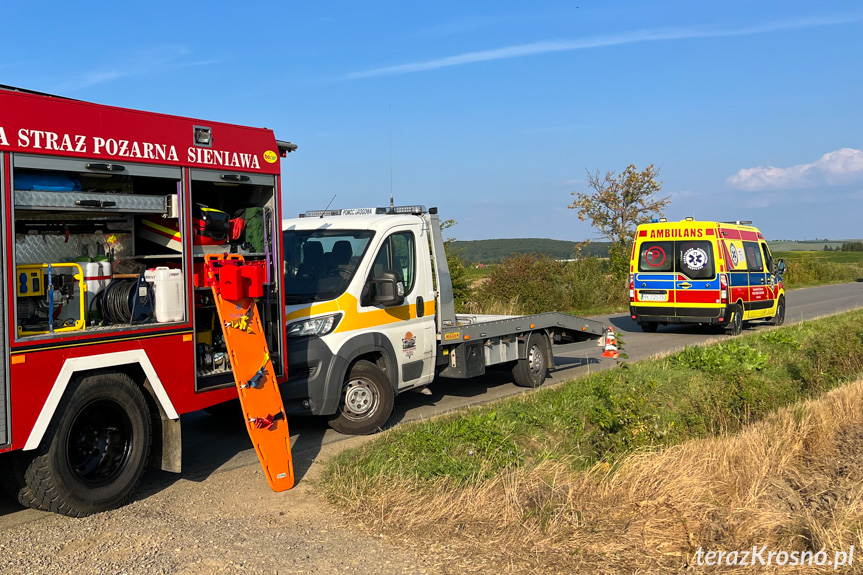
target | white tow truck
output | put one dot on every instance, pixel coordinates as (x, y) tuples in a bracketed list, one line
[(370, 314)]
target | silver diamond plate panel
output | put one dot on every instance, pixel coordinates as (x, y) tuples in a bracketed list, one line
[(55, 248), (30, 199)]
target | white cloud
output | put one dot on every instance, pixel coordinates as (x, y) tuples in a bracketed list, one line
[(599, 42), (837, 168), (138, 63)]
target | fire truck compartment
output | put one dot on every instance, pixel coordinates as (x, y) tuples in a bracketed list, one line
[(87, 254)]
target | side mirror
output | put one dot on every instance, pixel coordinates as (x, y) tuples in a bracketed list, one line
[(780, 267), (388, 289)]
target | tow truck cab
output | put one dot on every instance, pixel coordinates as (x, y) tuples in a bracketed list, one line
[(359, 288)]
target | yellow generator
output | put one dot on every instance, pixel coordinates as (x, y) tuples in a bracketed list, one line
[(51, 298)]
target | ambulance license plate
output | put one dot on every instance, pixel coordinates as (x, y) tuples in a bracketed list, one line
[(653, 297)]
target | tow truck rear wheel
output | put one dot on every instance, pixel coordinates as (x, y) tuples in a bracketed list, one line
[(367, 400), (531, 371), (95, 449)]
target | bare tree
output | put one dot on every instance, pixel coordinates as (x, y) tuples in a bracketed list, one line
[(617, 204)]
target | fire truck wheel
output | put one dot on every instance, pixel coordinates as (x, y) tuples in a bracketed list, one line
[(95, 449), (367, 401), (531, 371), (735, 324), (649, 327), (779, 318)]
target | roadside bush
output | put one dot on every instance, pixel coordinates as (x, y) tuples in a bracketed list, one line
[(810, 270), (536, 283), (525, 284)]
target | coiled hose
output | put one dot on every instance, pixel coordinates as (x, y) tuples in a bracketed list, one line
[(118, 300)]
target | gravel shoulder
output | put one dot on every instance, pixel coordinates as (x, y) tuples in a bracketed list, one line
[(229, 522)]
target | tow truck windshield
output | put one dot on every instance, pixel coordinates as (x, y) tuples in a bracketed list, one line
[(319, 264)]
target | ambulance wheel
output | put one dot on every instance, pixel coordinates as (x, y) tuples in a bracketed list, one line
[(779, 318), (95, 449), (367, 400), (650, 327), (531, 371), (735, 324)]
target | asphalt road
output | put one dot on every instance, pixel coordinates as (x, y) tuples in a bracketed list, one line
[(213, 445)]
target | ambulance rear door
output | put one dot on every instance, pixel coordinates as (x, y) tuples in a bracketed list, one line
[(696, 284)]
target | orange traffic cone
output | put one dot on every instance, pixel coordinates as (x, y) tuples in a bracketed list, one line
[(611, 344)]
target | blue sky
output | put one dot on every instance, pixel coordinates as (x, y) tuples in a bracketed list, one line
[(493, 111)]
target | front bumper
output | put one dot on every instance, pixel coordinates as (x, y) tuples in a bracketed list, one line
[(310, 363)]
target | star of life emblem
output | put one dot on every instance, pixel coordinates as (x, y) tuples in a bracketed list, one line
[(695, 258)]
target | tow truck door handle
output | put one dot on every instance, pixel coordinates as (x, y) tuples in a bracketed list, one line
[(421, 308)]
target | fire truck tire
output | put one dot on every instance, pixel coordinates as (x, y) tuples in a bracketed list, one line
[(779, 318), (95, 449), (649, 327), (531, 371), (367, 400)]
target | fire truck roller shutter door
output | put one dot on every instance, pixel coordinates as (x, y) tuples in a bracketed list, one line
[(4, 385)]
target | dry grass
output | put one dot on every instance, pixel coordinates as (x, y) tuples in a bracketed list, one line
[(791, 482)]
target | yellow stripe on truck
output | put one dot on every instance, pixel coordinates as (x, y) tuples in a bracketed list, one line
[(355, 319), (316, 309)]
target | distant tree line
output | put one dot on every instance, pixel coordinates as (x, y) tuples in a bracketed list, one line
[(845, 247), (496, 251)]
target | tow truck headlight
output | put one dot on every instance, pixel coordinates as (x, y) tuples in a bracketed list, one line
[(314, 326)]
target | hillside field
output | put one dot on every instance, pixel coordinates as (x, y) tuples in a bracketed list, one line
[(497, 250)]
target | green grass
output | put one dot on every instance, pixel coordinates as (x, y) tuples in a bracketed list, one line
[(817, 268), (803, 245), (836, 257), (476, 273), (700, 391)]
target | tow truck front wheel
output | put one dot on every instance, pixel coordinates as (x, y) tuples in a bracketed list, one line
[(95, 449), (532, 369), (367, 401)]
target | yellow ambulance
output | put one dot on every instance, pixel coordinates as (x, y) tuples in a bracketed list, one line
[(715, 273)]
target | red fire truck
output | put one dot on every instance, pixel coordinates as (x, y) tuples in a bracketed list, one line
[(111, 331)]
